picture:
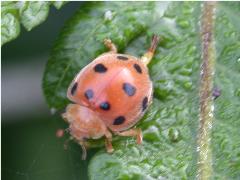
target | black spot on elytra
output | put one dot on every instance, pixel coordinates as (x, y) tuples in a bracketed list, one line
[(100, 68), (129, 89), (144, 103), (119, 120), (138, 68), (74, 88), (105, 106), (89, 94), (122, 58)]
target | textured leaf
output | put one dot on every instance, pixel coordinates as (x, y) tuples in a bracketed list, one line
[(170, 126), (33, 13), (10, 28), (226, 134), (29, 14)]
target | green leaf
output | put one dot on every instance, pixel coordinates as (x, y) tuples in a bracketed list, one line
[(169, 149), (227, 114), (33, 13), (29, 14), (10, 28)]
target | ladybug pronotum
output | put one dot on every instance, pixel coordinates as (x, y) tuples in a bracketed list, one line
[(110, 94)]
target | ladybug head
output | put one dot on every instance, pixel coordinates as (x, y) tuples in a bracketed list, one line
[(83, 122)]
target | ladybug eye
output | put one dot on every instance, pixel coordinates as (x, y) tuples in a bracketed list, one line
[(74, 88)]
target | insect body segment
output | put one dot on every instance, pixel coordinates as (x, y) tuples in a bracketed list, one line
[(110, 94)]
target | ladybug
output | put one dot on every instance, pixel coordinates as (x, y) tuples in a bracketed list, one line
[(110, 94)]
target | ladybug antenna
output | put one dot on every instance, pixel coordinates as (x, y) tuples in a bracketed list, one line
[(154, 43), (147, 57)]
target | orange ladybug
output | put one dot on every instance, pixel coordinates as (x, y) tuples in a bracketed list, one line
[(111, 94)]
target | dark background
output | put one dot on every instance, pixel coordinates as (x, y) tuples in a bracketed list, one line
[(30, 149)]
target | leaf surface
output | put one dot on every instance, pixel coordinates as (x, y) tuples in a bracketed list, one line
[(28, 13)]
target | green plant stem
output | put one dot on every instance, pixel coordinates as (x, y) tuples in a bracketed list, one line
[(206, 86)]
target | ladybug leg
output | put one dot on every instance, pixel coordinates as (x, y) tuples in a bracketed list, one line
[(108, 141), (65, 145), (84, 149), (146, 58), (64, 116), (108, 43), (136, 132)]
